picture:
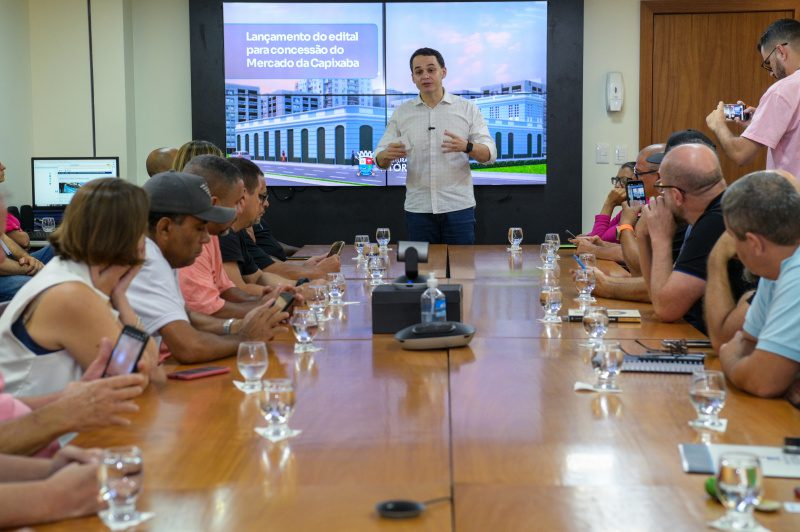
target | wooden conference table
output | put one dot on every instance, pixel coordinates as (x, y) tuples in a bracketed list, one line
[(497, 424)]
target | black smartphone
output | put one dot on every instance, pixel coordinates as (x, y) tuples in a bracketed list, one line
[(127, 352), (284, 301), (636, 196), (336, 248)]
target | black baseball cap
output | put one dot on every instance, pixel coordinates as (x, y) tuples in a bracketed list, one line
[(685, 136), (181, 193)]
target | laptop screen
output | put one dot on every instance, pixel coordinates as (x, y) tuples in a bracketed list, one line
[(55, 180)]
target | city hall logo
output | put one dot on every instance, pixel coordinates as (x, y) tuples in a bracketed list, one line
[(366, 163)]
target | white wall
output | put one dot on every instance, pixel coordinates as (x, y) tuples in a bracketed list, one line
[(143, 86), (610, 43)]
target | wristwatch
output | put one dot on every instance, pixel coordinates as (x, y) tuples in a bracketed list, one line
[(226, 327), (469, 147)]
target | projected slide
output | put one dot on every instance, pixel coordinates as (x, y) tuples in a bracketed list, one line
[(309, 88)]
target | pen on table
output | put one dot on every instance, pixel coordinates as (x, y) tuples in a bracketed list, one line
[(579, 261)]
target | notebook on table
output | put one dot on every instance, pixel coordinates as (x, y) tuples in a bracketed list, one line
[(615, 315), (664, 363)]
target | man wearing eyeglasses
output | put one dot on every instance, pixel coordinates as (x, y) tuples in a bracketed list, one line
[(690, 190), (776, 122)]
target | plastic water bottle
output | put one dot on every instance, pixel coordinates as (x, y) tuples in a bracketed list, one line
[(433, 302)]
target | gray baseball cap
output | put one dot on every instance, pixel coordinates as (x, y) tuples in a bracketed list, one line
[(181, 193)]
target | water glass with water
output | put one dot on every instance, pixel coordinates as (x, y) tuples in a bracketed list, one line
[(554, 240), (277, 401), (376, 267), (304, 326), (336, 287), (607, 358), (547, 252), (252, 361), (382, 237), (317, 299), (514, 238), (584, 282), (589, 260), (360, 242), (595, 323), (551, 298), (120, 474), (707, 394), (739, 487)]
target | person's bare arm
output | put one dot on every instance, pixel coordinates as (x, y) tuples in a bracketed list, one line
[(759, 372), (625, 288), (190, 345), (627, 239), (740, 149), (235, 275), (722, 313), (21, 238)]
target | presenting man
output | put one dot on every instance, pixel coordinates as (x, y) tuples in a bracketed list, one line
[(438, 132), (760, 212), (775, 123)]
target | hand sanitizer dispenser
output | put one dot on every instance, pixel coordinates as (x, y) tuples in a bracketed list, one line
[(615, 92)]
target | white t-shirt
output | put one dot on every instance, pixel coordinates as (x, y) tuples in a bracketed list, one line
[(154, 293)]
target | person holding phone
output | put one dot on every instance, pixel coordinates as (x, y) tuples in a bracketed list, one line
[(51, 330), (605, 226), (775, 123), (440, 201), (180, 211)]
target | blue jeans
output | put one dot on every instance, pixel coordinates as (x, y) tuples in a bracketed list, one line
[(10, 284), (457, 227)]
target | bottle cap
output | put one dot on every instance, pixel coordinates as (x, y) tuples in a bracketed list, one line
[(432, 281)]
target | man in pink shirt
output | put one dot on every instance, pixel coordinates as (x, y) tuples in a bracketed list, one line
[(775, 121), (205, 286)]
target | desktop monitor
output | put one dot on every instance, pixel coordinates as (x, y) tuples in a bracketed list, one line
[(56, 179)]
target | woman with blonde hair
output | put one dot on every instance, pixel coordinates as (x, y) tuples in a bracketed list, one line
[(192, 149), (51, 330)]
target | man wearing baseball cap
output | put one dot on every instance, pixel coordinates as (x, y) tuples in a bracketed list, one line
[(180, 209)]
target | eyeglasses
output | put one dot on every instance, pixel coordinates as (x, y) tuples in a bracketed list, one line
[(619, 181), (661, 188), (765, 63), (637, 174)]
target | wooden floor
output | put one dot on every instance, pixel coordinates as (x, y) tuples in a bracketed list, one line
[(496, 425)]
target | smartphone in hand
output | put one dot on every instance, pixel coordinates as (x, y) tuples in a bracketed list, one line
[(636, 195), (127, 352), (336, 248)]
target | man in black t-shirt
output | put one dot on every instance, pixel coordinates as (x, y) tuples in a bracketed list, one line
[(690, 188)]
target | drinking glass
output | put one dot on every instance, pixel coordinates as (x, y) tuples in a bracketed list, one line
[(48, 224), (555, 240), (336, 287), (252, 360), (739, 489), (514, 238), (589, 260), (304, 325), (551, 298), (607, 360), (382, 236), (277, 401), (548, 255), (376, 267), (360, 242), (584, 282), (317, 299), (595, 323), (120, 475), (707, 393), (550, 278)]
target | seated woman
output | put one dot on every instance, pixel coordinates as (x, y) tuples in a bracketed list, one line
[(52, 329), (604, 226)]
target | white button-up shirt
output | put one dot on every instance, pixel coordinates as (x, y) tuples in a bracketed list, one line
[(437, 182)]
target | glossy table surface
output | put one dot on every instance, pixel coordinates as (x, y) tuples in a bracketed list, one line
[(353, 269), (497, 423)]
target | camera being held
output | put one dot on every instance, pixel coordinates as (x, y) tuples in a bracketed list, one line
[(735, 111)]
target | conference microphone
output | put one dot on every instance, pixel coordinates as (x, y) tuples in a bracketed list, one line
[(431, 128)]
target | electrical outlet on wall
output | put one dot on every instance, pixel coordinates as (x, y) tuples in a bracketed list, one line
[(620, 153), (601, 153)]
